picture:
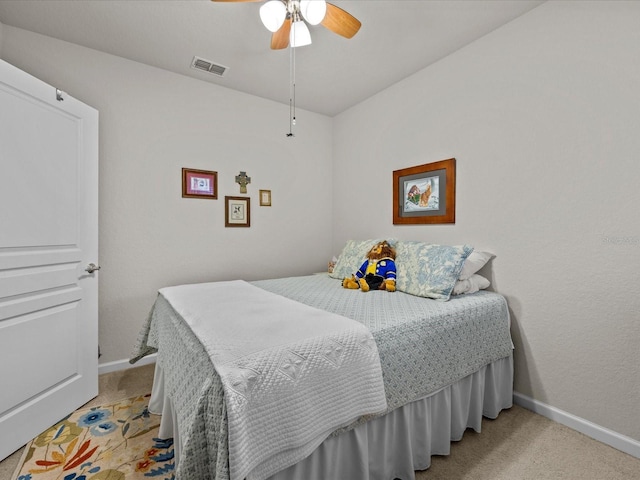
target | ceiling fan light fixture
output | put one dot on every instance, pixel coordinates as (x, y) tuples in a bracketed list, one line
[(273, 14), (313, 11), (300, 35)]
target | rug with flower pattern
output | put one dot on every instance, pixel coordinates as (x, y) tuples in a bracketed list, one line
[(110, 442)]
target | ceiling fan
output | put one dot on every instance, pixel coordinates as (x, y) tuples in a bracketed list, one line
[(288, 19)]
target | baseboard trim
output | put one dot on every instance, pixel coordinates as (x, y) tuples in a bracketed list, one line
[(601, 434), (124, 364)]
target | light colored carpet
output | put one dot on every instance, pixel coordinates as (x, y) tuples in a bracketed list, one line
[(518, 445), (521, 445)]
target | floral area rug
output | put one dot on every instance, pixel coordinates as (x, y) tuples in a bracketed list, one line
[(110, 442)]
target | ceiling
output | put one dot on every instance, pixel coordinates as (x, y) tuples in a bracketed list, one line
[(397, 38)]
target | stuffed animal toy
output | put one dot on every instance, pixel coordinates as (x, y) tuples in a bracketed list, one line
[(378, 272)]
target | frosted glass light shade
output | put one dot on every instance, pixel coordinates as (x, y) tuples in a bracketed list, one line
[(273, 14), (313, 11), (299, 36)]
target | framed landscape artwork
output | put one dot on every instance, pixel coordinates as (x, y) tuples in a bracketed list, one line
[(425, 193)]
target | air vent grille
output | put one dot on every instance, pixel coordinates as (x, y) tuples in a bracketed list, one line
[(208, 66)]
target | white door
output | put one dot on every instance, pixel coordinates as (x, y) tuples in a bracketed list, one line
[(48, 236)]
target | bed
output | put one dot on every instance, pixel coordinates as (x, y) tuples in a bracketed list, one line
[(414, 374)]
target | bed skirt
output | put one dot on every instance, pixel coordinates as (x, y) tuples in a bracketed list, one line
[(400, 442)]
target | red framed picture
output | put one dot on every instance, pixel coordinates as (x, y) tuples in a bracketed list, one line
[(199, 183)]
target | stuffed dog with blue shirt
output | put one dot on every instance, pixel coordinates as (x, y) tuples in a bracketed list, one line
[(378, 272)]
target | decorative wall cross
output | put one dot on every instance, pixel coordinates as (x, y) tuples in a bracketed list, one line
[(243, 180)]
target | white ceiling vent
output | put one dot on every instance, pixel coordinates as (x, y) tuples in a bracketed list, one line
[(208, 66)]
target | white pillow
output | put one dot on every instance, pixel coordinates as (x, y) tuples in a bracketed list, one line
[(470, 285), (473, 263)]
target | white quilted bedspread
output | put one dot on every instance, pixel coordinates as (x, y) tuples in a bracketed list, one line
[(291, 373)]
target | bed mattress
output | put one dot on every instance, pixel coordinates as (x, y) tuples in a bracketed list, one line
[(424, 346)]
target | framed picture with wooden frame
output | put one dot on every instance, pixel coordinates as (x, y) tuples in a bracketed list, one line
[(199, 184), (237, 212), (425, 193), (265, 198)]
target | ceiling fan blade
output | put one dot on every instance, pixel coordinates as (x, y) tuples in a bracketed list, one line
[(280, 39), (341, 22)]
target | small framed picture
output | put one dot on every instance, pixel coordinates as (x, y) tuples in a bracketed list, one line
[(237, 212), (199, 184), (265, 198)]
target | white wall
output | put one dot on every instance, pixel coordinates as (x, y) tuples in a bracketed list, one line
[(543, 117), (153, 123)]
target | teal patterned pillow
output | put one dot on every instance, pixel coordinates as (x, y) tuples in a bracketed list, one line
[(428, 270), (352, 256)]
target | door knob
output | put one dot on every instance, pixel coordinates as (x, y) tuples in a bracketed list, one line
[(92, 267)]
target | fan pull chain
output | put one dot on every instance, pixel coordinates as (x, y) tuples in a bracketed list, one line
[(292, 89)]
